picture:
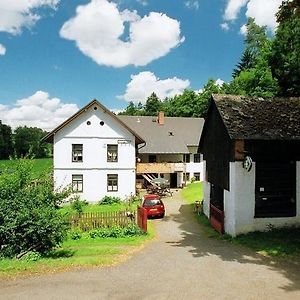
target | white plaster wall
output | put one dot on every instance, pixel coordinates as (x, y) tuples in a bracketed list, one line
[(95, 183), (206, 193), (95, 167), (240, 203)]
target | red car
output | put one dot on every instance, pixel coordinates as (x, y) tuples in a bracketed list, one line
[(154, 206)]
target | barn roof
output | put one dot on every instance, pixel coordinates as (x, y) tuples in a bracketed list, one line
[(260, 118)]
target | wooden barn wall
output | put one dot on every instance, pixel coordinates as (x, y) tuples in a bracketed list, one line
[(216, 149), (272, 151)]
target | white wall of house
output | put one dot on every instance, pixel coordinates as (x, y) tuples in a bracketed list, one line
[(94, 166), (239, 202)]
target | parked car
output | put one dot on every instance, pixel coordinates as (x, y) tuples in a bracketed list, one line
[(154, 205)]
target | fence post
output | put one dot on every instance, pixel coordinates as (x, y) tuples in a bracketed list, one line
[(142, 218)]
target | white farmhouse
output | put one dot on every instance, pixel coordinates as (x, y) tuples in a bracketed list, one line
[(95, 153)]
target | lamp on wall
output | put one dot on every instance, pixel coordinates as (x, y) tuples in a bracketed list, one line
[(247, 163)]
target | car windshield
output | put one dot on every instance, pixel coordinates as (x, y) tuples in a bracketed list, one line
[(152, 202)]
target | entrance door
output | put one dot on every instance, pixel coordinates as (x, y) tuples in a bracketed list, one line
[(173, 180), (275, 189)]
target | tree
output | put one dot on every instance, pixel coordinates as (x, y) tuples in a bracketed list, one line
[(246, 63), (253, 76), (285, 56), (28, 142), (153, 105), (6, 146), (29, 218), (130, 110)]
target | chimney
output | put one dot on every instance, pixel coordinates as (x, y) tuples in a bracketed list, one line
[(161, 118)]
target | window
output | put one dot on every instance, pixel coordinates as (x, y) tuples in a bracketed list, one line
[(152, 158), (186, 158), (77, 152), (197, 176), (77, 183), (112, 153), (112, 182), (197, 157), (186, 177)]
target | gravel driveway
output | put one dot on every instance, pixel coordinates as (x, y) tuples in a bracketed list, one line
[(180, 264)]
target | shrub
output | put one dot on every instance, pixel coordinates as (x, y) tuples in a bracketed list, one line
[(29, 219), (116, 231), (75, 234), (107, 200), (78, 204)]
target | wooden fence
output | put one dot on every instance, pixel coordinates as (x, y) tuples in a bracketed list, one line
[(142, 218), (88, 221), (217, 219)]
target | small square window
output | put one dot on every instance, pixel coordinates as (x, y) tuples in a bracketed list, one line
[(197, 158), (112, 153), (186, 177), (186, 158), (112, 182), (77, 152), (77, 183), (197, 176)]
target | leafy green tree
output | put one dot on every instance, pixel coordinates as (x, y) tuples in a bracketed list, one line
[(285, 57), (29, 218), (153, 105), (6, 145), (253, 76), (28, 142), (131, 110)]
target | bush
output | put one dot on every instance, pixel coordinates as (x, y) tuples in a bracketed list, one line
[(75, 234), (78, 204), (29, 218), (116, 231), (108, 200)]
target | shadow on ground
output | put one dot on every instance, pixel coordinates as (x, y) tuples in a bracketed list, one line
[(195, 237)]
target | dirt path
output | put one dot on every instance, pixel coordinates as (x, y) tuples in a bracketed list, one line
[(181, 264)]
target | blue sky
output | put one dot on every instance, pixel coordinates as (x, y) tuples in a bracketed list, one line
[(57, 55)]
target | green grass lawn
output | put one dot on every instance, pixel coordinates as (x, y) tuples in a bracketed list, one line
[(193, 192), (284, 242), (39, 166), (85, 252)]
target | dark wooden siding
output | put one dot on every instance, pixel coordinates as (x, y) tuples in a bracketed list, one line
[(216, 147), (275, 189), (273, 151)]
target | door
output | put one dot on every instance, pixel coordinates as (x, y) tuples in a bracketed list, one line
[(173, 180)]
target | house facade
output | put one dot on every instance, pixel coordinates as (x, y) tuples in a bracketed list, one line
[(95, 154), (251, 149), (170, 150)]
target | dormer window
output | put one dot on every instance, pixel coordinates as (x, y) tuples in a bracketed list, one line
[(77, 153)]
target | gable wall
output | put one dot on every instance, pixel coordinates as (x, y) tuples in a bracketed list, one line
[(216, 149)]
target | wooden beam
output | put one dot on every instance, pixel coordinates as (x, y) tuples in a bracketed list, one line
[(239, 150)]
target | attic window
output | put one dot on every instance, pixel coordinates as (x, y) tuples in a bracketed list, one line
[(95, 108), (171, 133), (88, 123), (101, 123)]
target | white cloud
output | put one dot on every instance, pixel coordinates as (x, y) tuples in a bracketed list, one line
[(192, 4), (233, 8), (2, 50), (15, 14), (262, 11), (143, 2), (219, 82), (143, 84), (98, 30), (225, 26), (243, 30), (37, 110)]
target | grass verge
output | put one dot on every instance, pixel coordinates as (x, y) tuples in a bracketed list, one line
[(85, 252), (282, 242)]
